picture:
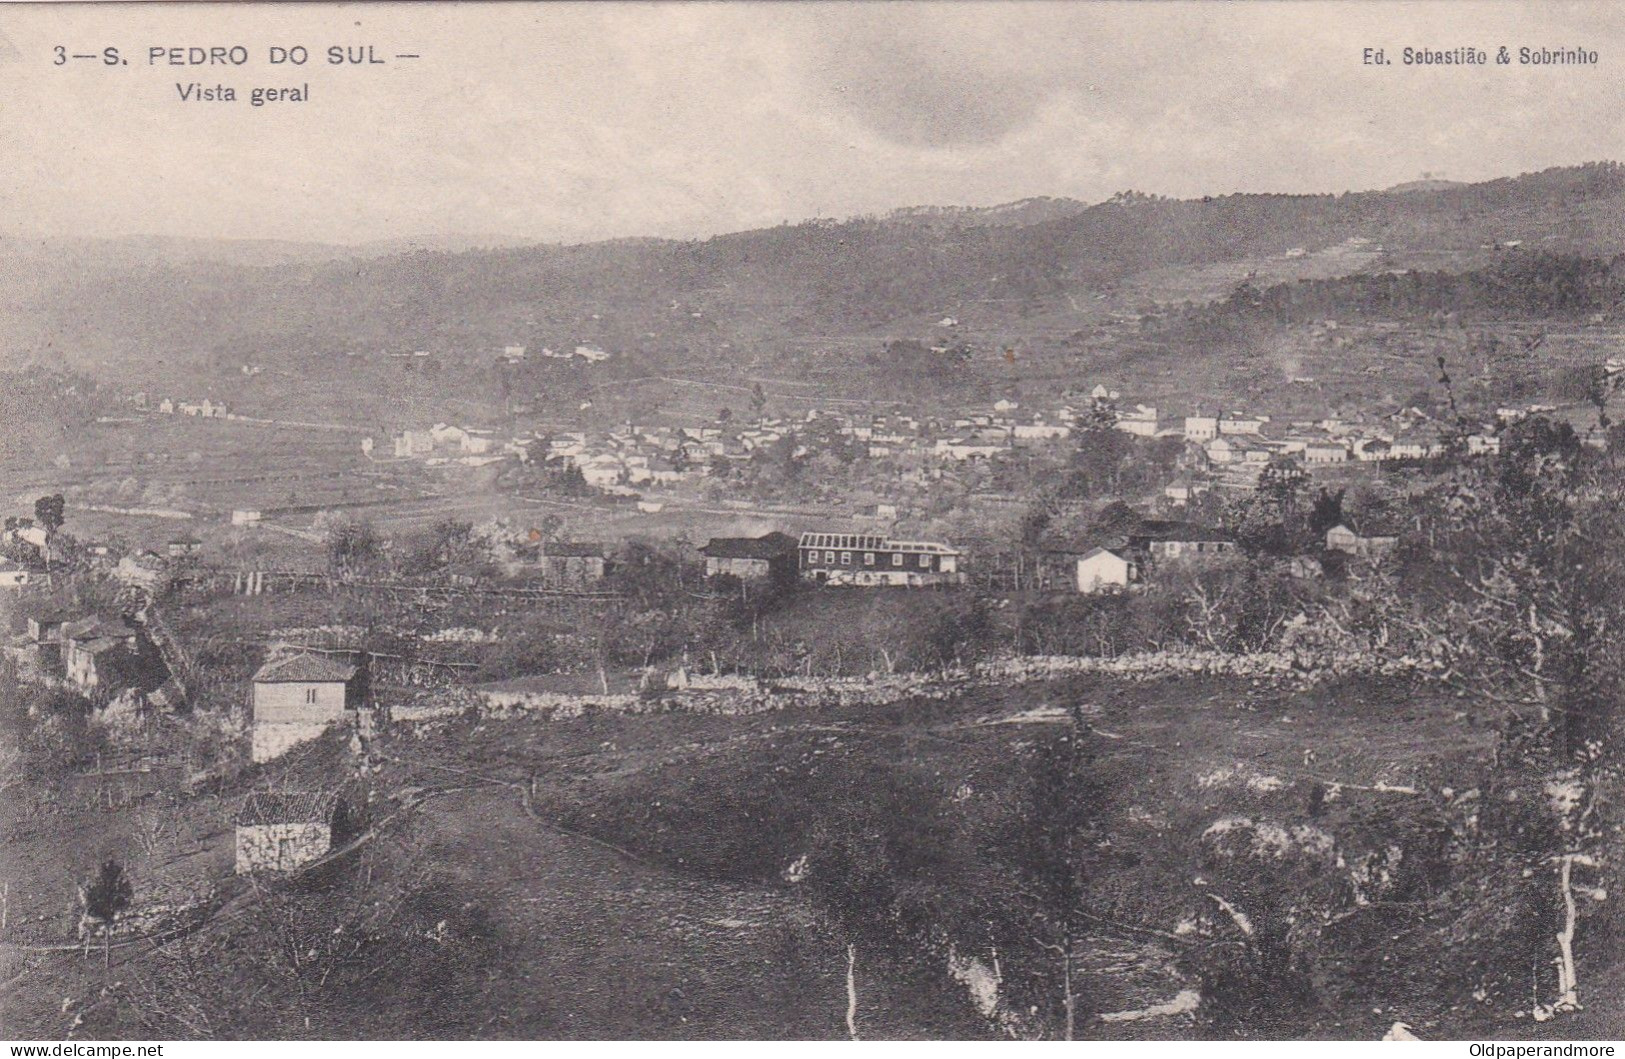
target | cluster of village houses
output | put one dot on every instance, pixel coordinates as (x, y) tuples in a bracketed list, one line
[(298, 696), (27, 548), (97, 654), (1223, 450), (204, 409)]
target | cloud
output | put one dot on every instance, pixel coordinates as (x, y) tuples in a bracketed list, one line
[(593, 120), (924, 78)]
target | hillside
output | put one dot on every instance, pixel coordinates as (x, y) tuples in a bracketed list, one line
[(804, 299), (511, 840)]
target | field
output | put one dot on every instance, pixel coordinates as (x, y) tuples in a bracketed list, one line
[(684, 831)]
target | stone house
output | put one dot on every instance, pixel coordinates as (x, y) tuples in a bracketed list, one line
[(1373, 542), (298, 697), (751, 558), (1168, 539), (1102, 570), (183, 547), (573, 562), (281, 831), (95, 649)]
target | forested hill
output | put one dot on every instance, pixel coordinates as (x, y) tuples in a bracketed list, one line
[(892, 275), (1521, 285)]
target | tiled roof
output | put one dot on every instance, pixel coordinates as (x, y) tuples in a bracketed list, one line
[(303, 668), (286, 807), (769, 546), (1372, 525), (1173, 530), (97, 627), (574, 549)]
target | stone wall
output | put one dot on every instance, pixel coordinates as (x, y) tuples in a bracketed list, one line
[(274, 740), (280, 847), (733, 694)]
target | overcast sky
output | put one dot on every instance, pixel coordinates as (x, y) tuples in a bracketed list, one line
[(572, 122)]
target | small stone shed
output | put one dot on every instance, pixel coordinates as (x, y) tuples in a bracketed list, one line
[(280, 831)]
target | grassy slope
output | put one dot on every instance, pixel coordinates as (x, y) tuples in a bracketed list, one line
[(683, 925)]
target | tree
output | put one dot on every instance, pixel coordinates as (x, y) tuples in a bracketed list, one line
[(868, 874), (1529, 610), (1030, 535), (352, 546), (1057, 844), (452, 540), (1520, 603), (105, 898), (49, 511), (758, 399), (1096, 465), (1281, 483), (1325, 513), (1101, 415)]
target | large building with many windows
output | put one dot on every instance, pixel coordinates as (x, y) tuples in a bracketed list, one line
[(874, 559)]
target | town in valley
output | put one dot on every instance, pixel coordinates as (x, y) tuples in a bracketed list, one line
[(732, 603)]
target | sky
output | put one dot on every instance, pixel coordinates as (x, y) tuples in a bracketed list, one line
[(572, 122)]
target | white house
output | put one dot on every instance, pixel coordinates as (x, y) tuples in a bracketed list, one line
[(1040, 431), (1220, 450), (1201, 428), (1182, 491), (477, 444), (444, 434), (1325, 452), (12, 575), (413, 443), (969, 448), (1105, 571), (601, 471), (1239, 424), (1141, 422), (297, 697), (1372, 450), (37, 536), (1344, 538)]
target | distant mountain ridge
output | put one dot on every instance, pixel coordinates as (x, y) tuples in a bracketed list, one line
[(1427, 184), (787, 292), (1020, 212)]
